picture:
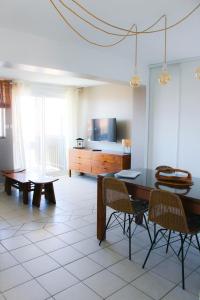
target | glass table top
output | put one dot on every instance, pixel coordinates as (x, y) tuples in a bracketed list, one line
[(147, 179)]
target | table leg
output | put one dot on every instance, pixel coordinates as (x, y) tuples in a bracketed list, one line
[(139, 220), (37, 194), (49, 192), (8, 185), (25, 190), (101, 210)]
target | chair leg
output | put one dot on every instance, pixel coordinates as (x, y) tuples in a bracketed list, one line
[(152, 244), (179, 252), (106, 228), (197, 239), (182, 261), (129, 235), (124, 228), (168, 240), (147, 226), (154, 229)]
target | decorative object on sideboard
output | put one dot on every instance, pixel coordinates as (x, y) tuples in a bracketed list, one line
[(79, 143), (126, 143)]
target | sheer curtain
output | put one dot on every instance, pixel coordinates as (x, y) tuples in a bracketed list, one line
[(44, 126), (18, 92)]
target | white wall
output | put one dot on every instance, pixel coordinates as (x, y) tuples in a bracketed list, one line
[(107, 101), (123, 103), (174, 119), (139, 128), (6, 146)]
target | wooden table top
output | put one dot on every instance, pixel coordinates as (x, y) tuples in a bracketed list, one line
[(25, 177)]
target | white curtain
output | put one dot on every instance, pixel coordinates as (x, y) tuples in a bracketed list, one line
[(18, 91), (45, 126)]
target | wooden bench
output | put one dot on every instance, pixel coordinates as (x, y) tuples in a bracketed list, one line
[(18, 180), (27, 182)]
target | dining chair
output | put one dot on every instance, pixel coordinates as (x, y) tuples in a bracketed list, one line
[(166, 210), (116, 197)]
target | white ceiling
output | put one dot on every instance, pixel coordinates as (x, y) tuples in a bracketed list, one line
[(45, 75), (39, 18)]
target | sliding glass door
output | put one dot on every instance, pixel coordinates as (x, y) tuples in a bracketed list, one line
[(44, 134)]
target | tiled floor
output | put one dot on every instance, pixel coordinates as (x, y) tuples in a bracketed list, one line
[(53, 253)]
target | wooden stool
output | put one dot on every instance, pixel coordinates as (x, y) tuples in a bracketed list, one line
[(43, 185)]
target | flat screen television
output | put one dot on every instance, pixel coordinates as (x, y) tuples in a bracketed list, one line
[(103, 130)]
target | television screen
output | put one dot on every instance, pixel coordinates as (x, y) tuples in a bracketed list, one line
[(103, 130)]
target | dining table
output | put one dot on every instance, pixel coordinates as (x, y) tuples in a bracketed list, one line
[(141, 187)]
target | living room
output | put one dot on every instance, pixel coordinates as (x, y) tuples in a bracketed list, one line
[(87, 92)]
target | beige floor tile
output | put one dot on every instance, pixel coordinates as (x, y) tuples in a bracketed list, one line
[(153, 285), (15, 242), (104, 283), (192, 283), (87, 246), (154, 259), (12, 277), (83, 268), (129, 293), (29, 290), (7, 261), (38, 235), (51, 244), (122, 248), (72, 237), (170, 270), (57, 281), (180, 294), (66, 255), (58, 228), (2, 249), (78, 291), (27, 253), (106, 257), (127, 270), (40, 265)]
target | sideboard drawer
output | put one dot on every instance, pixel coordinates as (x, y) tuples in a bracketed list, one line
[(85, 167), (74, 166), (107, 158)]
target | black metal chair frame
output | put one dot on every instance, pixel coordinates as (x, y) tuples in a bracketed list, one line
[(122, 223), (183, 238)]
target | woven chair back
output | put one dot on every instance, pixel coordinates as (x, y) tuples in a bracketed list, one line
[(166, 209), (116, 195)]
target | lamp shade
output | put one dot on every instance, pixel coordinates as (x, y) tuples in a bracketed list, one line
[(126, 142)]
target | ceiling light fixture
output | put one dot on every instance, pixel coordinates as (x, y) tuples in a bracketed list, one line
[(122, 33), (164, 77), (135, 81), (197, 73)]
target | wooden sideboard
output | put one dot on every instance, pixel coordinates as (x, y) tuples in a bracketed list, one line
[(97, 162)]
